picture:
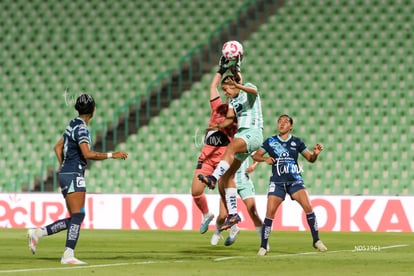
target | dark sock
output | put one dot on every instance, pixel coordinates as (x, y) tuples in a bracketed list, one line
[(57, 226), (266, 229), (313, 225), (73, 229)]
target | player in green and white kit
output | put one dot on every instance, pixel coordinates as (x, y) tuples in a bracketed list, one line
[(246, 191), (246, 106)]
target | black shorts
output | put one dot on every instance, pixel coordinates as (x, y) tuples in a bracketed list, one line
[(281, 189), (71, 182)]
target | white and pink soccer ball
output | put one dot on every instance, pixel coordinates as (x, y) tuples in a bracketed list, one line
[(232, 49)]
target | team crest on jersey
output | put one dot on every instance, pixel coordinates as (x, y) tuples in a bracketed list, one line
[(284, 154), (293, 145)]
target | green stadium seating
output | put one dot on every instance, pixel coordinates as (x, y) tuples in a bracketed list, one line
[(342, 69), (112, 50)]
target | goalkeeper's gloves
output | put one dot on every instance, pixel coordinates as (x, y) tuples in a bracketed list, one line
[(223, 65), (236, 62)]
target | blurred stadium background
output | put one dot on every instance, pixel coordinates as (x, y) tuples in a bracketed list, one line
[(342, 69)]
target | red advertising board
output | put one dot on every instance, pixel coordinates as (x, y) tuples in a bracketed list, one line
[(178, 212)]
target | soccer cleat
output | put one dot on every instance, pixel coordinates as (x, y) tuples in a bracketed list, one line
[(33, 239), (230, 221), (72, 260), (208, 180), (320, 246), (215, 238), (234, 232), (262, 252), (206, 221), (69, 258)]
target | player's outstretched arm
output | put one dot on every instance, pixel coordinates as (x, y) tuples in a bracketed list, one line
[(311, 156), (94, 155), (259, 157), (247, 89), (213, 86)]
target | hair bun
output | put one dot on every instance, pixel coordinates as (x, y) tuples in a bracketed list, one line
[(85, 104)]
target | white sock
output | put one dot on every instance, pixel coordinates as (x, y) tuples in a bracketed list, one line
[(68, 252), (206, 215), (231, 200), (259, 231), (42, 232), (221, 169)]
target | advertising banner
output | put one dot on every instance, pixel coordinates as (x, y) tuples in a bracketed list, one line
[(178, 212)]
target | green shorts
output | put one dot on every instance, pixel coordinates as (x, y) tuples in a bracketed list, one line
[(244, 184), (253, 138)]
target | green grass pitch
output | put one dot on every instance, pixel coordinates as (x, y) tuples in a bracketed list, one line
[(116, 252)]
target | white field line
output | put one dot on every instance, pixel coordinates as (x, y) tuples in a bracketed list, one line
[(309, 253), (71, 267)]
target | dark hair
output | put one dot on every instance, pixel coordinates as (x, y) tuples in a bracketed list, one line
[(85, 104), (285, 115), (222, 109), (226, 77), (234, 71)]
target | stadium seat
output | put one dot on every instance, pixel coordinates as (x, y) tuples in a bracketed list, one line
[(347, 83), (100, 48)]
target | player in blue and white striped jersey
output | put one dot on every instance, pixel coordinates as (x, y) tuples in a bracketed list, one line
[(283, 150), (72, 151)]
